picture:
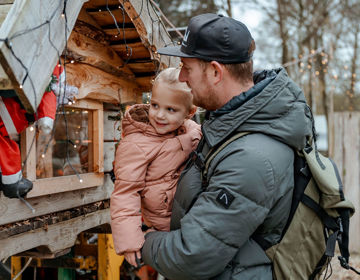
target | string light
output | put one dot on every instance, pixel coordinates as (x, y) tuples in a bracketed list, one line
[(43, 155), (21, 86), (31, 128)]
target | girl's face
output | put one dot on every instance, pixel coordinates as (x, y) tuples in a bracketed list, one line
[(168, 108)]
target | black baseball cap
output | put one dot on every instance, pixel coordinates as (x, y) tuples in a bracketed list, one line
[(214, 37)]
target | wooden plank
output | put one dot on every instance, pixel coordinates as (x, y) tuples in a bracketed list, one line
[(93, 4), (132, 50), (143, 67), (112, 126), (128, 33), (4, 10), (28, 152), (56, 237), (65, 183), (145, 82), (351, 177), (34, 49), (109, 155), (104, 18), (338, 155), (85, 17), (152, 33), (98, 140), (13, 210), (86, 104), (93, 53), (99, 85)]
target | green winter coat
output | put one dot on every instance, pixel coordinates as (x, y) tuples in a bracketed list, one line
[(211, 233)]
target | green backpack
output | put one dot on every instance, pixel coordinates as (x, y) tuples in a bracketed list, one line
[(319, 217)]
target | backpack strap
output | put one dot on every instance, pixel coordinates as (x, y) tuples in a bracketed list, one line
[(214, 151)]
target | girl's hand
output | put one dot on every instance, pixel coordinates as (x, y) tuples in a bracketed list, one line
[(130, 257)]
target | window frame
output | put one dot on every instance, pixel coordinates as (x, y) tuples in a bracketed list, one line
[(47, 186)]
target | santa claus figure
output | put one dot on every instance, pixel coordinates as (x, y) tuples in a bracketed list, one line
[(13, 120)]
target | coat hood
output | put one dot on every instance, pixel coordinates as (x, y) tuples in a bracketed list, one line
[(275, 106)]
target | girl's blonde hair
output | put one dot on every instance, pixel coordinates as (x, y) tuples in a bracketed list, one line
[(170, 76)]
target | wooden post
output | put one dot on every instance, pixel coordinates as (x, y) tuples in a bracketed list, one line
[(108, 261), (347, 157), (28, 152), (15, 267)]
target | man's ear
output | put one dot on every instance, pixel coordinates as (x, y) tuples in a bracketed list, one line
[(192, 112), (217, 72)]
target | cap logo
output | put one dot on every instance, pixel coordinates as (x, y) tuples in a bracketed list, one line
[(185, 38)]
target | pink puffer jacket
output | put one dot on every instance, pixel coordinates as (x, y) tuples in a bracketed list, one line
[(147, 166)]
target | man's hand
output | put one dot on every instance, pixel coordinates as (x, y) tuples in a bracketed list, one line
[(130, 257)]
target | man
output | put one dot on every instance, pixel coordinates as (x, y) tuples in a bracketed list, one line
[(249, 183)]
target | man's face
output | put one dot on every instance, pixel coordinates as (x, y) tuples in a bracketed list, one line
[(196, 77)]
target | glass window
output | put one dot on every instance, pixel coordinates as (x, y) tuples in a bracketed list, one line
[(69, 149)]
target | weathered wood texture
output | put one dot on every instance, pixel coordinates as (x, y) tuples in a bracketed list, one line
[(89, 51), (96, 84), (65, 183), (33, 28), (151, 30), (13, 210), (56, 237), (347, 157), (4, 10)]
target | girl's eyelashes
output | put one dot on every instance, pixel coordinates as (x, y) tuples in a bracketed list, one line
[(171, 110)]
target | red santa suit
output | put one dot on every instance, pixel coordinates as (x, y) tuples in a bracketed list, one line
[(13, 120)]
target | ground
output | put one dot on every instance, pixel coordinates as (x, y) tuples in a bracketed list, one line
[(340, 273)]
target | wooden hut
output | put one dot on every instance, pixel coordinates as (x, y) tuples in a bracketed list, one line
[(109, 51)]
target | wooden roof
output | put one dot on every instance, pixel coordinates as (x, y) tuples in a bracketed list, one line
[(110, 53)]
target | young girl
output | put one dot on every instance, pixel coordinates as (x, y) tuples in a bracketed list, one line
[(157, 139)]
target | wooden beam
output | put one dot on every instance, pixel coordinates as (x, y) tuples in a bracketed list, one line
[(85, 17), (143, 67), (55, 237), (32, 45), (13, 210), (99, 85), (98, 140), (104, 18), (130, 33), (65, 183), (132, 50), (92, 32), (152, 34), (28, 152), (93, 53), (93, 4), (145, 83)]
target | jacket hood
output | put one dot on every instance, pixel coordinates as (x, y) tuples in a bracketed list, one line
[(136, 119), (275, 106)]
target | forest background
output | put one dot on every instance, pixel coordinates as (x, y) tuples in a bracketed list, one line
[(316, 40)]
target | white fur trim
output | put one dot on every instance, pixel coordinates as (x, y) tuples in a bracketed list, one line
[(11, 179), (45, 124)]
